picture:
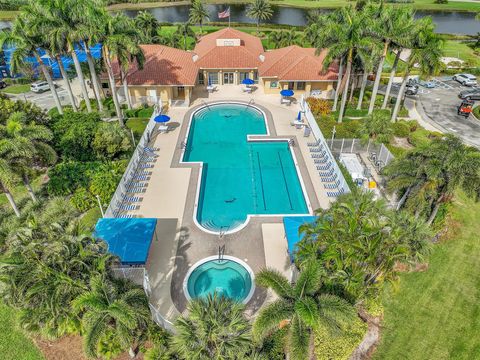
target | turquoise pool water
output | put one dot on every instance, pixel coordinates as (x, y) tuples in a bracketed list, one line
[(240, 177), (225, 277)]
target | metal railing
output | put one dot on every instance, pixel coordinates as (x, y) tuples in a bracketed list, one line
[(378, 154), (317, 133), (135, 274), (117, 198)]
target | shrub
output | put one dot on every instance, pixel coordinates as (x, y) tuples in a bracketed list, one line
[(32, 112), (319, 106), (104, 184), (111, 141), (378, 126), (401, 129), (82, 199), (441, 1)]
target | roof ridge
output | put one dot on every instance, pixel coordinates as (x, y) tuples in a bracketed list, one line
[(273, 63)]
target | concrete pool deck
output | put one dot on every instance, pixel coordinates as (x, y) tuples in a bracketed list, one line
[(171, 194)]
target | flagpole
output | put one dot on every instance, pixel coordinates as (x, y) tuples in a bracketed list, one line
[(229, 15)]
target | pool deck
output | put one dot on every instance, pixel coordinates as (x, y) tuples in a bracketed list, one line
[(171, 194)]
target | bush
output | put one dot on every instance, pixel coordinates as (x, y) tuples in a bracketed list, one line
[(111, 141), (319, 106), (441, 1), (401, 129), (348, 129), (32, 112), (82, 199), (104, 185)]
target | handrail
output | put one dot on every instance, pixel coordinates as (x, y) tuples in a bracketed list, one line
[(206, 104)]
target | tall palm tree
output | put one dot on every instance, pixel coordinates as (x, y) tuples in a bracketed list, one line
[(26, 43), (425, 51), (390, 25), (284, 38), (215, 328), (25, 146), (198, 14), (172, 39), (148, 25), (301, 307), (185, 30), (259, 10), (112, 305), (367, 58), (8, 179)]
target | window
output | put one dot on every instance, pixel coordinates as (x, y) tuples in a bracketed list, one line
[(212, 78), (301, 85), (273, 84), (244, 75), (255, 75), (291, 85), (201, 78)]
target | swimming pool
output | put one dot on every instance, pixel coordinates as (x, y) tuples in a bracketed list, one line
[(240, 177), (229, 277)]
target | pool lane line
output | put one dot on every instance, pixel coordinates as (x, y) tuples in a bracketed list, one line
[(285, 180), (261, 182)]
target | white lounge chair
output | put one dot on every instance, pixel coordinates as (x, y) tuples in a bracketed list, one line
[(247, 89)]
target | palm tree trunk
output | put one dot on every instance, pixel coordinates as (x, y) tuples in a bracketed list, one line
[(390, 79), (362, 89), (111, 81), (11, 200), (125, 89), (79, 71), (378, 76), (350, 98), (339, 81), (67, 82), (94, 77), (435, 210), (345, 92), (26, 182), (49, 80), (400, 94)]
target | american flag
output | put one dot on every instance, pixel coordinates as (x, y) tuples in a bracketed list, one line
[(224, 14)]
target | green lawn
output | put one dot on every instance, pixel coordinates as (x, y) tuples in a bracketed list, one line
[(436, 314), (137, 125), (17, 89), (14, 344), (461, 50)]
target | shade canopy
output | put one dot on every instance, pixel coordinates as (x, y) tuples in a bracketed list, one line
[(129, 239), (248, 81), (286, 92), (291, 225), (162, 118)]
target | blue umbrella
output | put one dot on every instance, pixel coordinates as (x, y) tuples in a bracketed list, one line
[(299, 116), (286, 92), (161, 118), (248, 81)]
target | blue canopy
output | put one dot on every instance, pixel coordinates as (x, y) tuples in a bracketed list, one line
[(286, 92), (248, 81), (162, 118), (129, 239), (299, 116), (291, 225)]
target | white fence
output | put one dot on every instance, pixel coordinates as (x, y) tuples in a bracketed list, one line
[(116, 201), (378, 154), (317, 133)]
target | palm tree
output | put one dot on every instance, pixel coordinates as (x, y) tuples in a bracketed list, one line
[(259, 10), (26, 43), (8, 179), (185, 30), (301, 307), (25, 146), (172, 39), (390, 24), (215, 328), (392, 75), (426, 51), (284, 38), (148, 25), (112, 305), (198, 14)]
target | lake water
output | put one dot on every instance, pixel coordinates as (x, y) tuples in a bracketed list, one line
[(447, 22)]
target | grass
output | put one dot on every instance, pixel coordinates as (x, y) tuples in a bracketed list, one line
[(7, 15), (137, 125), (17, 89), (14, 344), (461, 50), (20, 191), (89, 219), (437, 312)]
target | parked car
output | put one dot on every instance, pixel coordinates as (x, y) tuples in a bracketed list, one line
[(39, 87), (465, 79), (411, 89), (473, 94), (3, 84)]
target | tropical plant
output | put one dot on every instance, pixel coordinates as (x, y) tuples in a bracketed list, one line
[(284, 38), (425, 52), (172, 39), (111, 141), (185, 30), (148, 25), (427, 177), (112, 307), (259, 10), (8, 179), (302, 307), (32, 112), (377, 127), (215, 328), (198, 14)]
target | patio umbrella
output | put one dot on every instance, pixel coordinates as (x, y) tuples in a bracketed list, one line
[(161, 118), (286, 92), (299, 116), (248, 81)]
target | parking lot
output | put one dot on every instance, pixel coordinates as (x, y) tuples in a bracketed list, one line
[(438, 106)]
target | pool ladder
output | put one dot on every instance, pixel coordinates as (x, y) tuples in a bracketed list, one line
[(183, 145), (251, 102), (221, 252), (206, 104)]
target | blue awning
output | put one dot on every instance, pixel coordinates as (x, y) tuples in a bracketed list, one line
[(129, 239), (291, 225)]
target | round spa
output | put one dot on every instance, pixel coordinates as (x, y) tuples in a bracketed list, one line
[(229, 277)]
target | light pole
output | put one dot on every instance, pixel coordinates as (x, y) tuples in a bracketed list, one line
[(333, 136), (100, 205), (133, 138)]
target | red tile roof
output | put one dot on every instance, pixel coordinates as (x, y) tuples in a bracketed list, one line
[(163, 66), (297, 63), (245, 56)]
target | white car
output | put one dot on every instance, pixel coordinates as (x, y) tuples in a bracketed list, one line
[(39, 87), (465, 79)]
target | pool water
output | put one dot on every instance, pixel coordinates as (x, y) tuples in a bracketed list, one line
[(240, 177), (225, 277)]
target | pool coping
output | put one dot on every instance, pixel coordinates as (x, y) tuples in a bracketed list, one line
[(224, 257), (270, 136)]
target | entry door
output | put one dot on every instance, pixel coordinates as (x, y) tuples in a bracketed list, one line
[(228, 78)]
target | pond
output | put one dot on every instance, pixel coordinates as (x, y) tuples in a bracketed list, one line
[(447, 22)]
